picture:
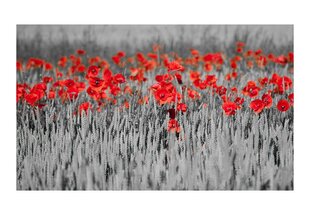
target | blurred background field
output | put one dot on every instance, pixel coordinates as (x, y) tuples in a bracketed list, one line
[(48, 41)]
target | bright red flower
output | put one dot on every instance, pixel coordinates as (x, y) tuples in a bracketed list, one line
[(257, 106), (281, 60), (162, 95), (229, 108), (194, 75), (182, 107), (291, 57), (48, 66), (96, 83), (233, 64), (193, 94), (32, 98), (62, 62), (173, 126), (107, 75), (69, 83), (116, 59), (119, 78), (51, 94), (93, 93), (84, 107), (93, 71), (208, 67), (19, 66), (175, 66), (291, 99), (283, 105)]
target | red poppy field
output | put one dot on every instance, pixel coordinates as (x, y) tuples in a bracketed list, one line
[(156, 120)]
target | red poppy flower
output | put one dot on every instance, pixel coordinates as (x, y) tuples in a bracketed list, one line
[(140, 57), (121, 54), (73, 92), (31, 98), (210, 80), (182, 107), (116, 59), (48, 66), (84, 107), (283, 105), (162, 96), (69, 83), (93, 93), (115, 90), (193, 94), (233, 64), (281, 60), (173, 126), (175, 66), (257, 106), (229, 108), (81, 68), (107, 75), (208, 67), (221, 90), (96, 83), (263, 81), (291, 98), (251, 89), (234, 74), (93, 71), (47, 79), (267, 99), (239, 101), (62, 62), (19, 66), (291, 57), (81, 52), (51, 94), (119, 78)]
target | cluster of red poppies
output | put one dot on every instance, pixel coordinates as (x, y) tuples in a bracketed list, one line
[(177, 79)]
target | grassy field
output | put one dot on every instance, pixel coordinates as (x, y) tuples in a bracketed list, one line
[(130, 148)]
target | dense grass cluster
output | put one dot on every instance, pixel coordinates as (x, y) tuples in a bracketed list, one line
[(132, 150)]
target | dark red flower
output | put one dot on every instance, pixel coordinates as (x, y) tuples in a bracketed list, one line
[(267, 99), (81, 52), (172, 113), (239, 101)]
